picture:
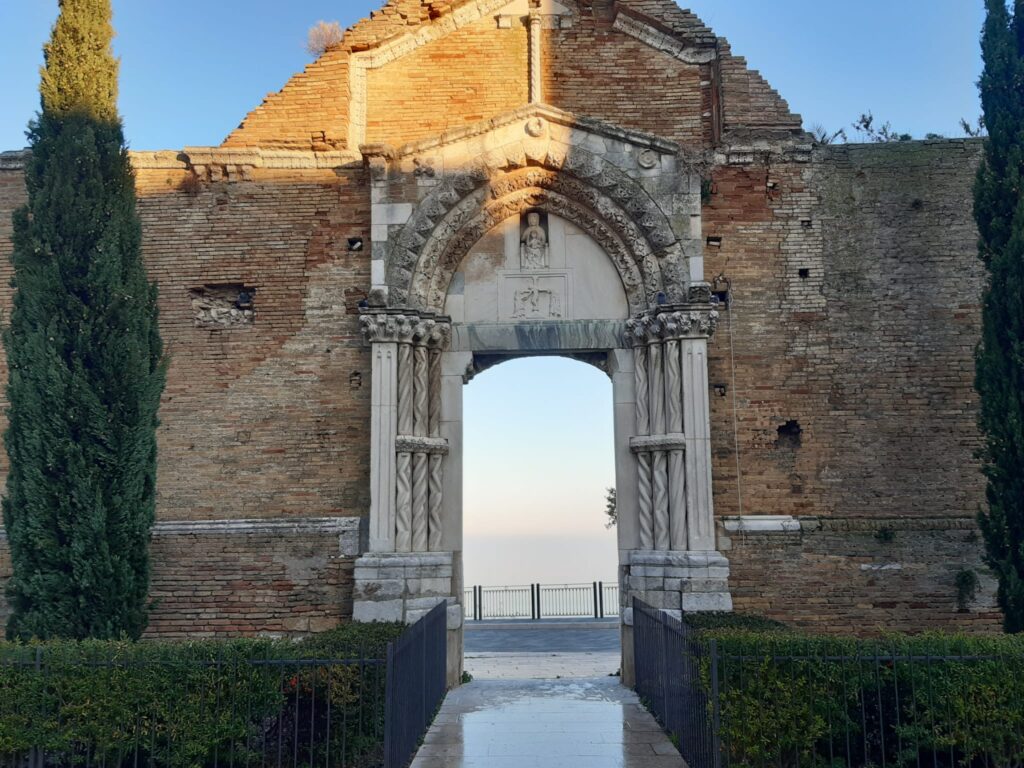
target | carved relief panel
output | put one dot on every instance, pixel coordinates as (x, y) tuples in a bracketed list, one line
[(536, 267)]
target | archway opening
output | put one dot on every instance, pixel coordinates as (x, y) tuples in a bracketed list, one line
[(538, 548), (538, 463)]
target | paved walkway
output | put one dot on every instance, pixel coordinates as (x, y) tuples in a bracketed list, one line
[(540, 666), (587, 636), (545, 724), (542, 649)]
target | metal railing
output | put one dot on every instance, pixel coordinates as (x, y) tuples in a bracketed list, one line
[(596, 600), (415, 685), (667, 657), (836, 704)]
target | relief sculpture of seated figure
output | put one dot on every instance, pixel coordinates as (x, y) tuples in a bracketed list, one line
[(534, 249)]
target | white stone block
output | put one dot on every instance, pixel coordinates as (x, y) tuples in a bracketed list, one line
[(390, 213), (378, 589), (703, 602), (454, 617), (370, 611), (423, 604)]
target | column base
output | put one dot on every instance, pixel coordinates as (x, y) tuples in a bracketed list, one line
[(404, 587), (677, 582)]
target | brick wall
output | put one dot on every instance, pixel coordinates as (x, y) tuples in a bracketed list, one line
[(477, 71), (468, 76), (261, 421), (863, 576), (841, 374), (855, 288), (593, 71)]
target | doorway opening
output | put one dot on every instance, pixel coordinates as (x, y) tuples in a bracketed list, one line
[(540, 550)]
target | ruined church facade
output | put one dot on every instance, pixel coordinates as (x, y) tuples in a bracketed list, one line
[(788, 328)]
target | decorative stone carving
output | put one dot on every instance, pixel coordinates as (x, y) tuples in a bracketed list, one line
[(699, 293), (534, 249), (437, 446), (464, 206), (536, 127), (536, 297), (638, 268), (671, 324), (648, 159), (670, 345), (418, 446), (670, 442)]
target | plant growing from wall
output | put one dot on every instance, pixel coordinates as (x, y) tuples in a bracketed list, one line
[(999, 211), (966, 589), (85, 357)]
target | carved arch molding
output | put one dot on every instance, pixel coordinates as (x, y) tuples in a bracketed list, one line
[(579, 186)]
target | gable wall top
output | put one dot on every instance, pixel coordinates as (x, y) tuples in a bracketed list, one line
[(646, 64)]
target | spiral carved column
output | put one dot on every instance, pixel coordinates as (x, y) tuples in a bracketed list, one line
[(674, 488), (416, 490)]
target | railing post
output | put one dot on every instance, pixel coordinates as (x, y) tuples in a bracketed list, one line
[(539, 608), (716, 721), (35, 758), (390, 719), (596, 607), (600, 598)]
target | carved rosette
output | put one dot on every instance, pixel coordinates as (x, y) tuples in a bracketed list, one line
[(419, 447), (661, 340)]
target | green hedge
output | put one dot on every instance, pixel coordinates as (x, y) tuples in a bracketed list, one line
[(238, 702), (938, 700)]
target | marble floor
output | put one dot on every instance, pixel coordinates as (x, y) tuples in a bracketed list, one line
[(589, 723)]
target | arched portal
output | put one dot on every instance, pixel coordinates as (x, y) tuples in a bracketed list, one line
[(548, 241)]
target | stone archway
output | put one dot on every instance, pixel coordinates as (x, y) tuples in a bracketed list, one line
[(623, 209)]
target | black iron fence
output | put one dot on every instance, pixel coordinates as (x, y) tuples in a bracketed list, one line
[(668, 658), (787, 701), (415, 685), (121, 706), (597, 600)]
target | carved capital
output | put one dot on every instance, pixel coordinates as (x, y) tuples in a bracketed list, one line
[(671, 324), (406, 328)]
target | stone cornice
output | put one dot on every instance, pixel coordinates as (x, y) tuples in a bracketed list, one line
[(646, 33), (406, 327), (345, 527), (547, 112), (14, 161)]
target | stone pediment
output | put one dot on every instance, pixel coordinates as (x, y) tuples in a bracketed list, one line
[(537, 122)]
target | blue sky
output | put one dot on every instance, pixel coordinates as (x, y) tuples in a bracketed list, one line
[(191, 70), (538, 432)]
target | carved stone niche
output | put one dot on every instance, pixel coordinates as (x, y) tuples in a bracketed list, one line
[(223, 306)]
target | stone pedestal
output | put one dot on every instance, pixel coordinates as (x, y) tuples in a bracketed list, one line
[(405, 586), (676, 582)]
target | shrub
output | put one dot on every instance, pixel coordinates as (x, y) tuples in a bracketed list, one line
[(241, 702), (787, 699)]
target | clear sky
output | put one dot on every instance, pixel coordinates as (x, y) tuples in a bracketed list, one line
[(191, 70)]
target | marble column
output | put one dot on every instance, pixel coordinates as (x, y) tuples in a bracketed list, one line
[(672, 444), (407, 468)]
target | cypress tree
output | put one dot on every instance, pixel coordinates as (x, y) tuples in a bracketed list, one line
[(84, 356), (999, 210)]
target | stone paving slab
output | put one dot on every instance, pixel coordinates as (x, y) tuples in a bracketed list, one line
[(538, 637), (541, 666), (590, 723)]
